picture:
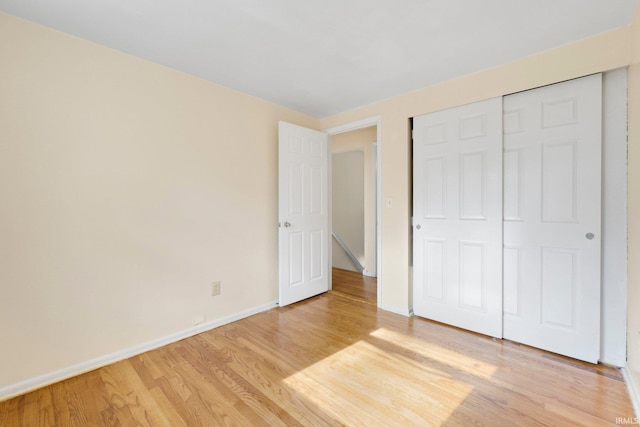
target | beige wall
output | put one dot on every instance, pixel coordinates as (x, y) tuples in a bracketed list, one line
[(361, 140), (603, 52), (127, 188), (633, 278)]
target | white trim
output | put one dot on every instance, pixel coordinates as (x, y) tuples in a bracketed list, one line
[(368, 122), (616, 363), (378, 166), (34, 383), (330, 210), (360, 124), (375, 196), (403, 311), (613, 308), (632, 389)]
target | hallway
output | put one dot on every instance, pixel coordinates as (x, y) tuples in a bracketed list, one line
[(354, 285)]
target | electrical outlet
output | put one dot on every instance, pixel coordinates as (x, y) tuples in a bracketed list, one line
[(197, 319), (215, 288)]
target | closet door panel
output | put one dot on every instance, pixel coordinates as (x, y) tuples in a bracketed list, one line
[(457, 232), (552, 217)]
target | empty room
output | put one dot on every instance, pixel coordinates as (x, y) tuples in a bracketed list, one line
[(319, 213)]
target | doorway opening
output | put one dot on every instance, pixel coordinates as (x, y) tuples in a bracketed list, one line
[(354, 208)]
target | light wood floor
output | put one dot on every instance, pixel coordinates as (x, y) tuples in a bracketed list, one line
[(354, 285), (332, 360)]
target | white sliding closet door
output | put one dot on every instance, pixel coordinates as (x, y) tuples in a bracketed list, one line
[(552, 204), (457, 199)]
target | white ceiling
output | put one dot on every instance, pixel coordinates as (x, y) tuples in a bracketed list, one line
[(325, 57)]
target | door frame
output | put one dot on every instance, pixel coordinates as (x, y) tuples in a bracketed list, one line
[(348, 127)]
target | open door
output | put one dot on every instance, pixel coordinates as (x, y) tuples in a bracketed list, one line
[(303, 213)]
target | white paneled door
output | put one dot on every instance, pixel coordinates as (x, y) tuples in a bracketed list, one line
[(303, 213), (457, 216), (552, 205), (507, 214)]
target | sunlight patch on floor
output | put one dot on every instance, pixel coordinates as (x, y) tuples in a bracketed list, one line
[(369, 384), (438, 353)]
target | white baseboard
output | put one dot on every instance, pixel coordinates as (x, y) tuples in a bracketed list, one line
[(632, 388), (405, 311), (368, 273), (13, 390), (615, 362)]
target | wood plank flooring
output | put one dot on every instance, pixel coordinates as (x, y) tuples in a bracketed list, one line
[(354, 285), (331, 360)]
